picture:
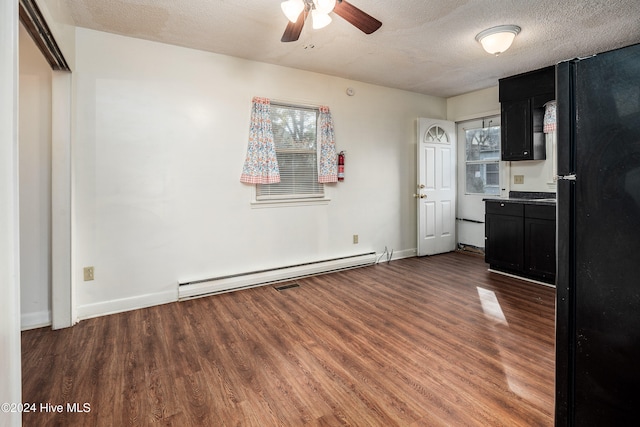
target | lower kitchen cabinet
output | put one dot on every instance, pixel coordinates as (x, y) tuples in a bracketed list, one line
[(504, 235), (520, 238), (540, 241)]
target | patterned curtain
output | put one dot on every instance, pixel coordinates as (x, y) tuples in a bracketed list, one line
[(328, 157), (549, 121), (260, 164)]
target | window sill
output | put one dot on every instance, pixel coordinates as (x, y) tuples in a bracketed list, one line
[(289, 203)]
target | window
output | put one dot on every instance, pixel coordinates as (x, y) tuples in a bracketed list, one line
[(483, 160), (295, 137)]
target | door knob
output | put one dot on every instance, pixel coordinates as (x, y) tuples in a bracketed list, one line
[(420, 196)]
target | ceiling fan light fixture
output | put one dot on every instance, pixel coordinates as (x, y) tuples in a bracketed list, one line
[(292, 9), (324, 6), (320, 11), (320, 20), (498, 39)]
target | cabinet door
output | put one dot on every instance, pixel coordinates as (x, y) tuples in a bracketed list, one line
[(516, 130), (540, 248), (504, 246)]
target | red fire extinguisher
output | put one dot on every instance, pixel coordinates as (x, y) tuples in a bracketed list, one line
[(341, 166)]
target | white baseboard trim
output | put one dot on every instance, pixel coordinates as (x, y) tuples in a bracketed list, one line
[(225, 284), (259, 278), (98, 309), (35, 320)]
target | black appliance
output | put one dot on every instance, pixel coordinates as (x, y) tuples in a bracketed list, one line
[(598, 220)]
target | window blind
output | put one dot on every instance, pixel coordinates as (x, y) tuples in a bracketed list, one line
[(295, 137)]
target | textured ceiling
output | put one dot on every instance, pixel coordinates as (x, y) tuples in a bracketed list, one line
[(424, 46)]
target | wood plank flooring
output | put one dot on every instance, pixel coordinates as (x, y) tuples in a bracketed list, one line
[(432, 341)]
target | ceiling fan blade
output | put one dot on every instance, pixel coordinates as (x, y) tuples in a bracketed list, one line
[(361, 20), (293, 30)]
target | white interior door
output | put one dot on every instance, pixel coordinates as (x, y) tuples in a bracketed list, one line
[(436, 187)]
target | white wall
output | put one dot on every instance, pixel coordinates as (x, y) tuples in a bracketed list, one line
[(10, 357), (473, 105), (538, 174), (160, 137), (35, 184)]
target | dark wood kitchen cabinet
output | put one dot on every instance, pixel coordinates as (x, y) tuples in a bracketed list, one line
[(522, 100), (540, 241), (520, 238), (504, 235)]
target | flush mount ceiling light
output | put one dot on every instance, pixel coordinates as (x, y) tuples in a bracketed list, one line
[(496, 40)]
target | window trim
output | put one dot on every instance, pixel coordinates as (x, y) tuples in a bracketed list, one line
[(281, 203)]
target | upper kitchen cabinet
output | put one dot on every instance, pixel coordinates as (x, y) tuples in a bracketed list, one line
[(522, 100)]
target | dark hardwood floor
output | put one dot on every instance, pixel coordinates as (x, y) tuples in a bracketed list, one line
[(433, 341)]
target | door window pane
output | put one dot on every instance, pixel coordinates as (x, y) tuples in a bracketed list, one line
[(483, 160)]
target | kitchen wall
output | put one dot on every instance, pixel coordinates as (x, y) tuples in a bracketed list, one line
[(538, 174), (160, 137)]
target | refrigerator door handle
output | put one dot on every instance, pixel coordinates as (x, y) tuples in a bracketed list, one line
[(570, 177)]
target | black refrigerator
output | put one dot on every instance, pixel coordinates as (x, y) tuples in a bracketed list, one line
[(598, 271)]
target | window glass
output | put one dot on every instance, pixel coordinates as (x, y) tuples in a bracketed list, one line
[(483, 160), (295, 137)]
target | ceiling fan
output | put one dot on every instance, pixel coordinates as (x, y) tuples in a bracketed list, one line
[(298, 10)]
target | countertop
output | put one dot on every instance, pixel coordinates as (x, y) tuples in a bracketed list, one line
[(526, 197)]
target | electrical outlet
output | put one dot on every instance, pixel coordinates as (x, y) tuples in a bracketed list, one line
[(355, 239), (518, 179), (88, 273)]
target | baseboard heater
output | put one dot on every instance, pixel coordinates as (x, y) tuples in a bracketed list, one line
[(217, 285)]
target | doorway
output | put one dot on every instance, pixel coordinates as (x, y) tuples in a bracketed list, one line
[(45, 188), (436, 187), (481, 174)]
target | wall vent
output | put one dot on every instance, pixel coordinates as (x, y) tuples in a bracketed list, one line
[(285, 287)]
